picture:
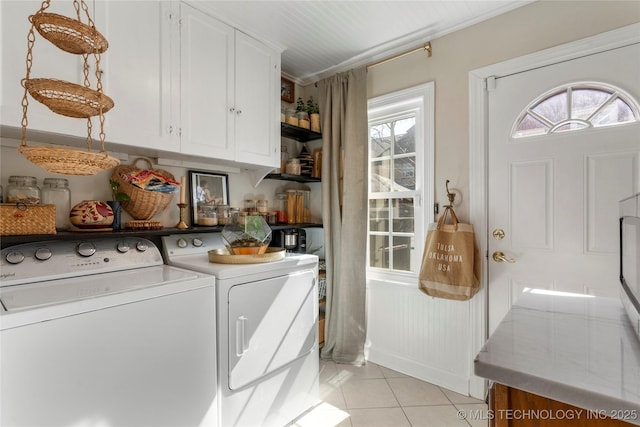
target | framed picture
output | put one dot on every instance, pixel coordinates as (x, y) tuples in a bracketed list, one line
[(208, 190), (287, 90)]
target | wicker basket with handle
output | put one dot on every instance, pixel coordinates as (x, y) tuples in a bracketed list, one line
[(143, 204)]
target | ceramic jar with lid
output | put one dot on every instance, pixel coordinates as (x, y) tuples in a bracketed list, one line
[(55, 191), (23, 189)]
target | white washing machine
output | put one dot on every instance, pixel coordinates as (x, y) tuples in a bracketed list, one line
[(267, 331), (101, 333)]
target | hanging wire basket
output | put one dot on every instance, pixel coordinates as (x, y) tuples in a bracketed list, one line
[(65, 98)]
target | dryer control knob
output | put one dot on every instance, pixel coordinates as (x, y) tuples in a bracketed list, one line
[(141, 246), (197, 242), (123, 247), (14, 257), (86, 249), (43, 254), (181, 243)]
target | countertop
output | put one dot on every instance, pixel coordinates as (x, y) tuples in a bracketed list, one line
[(576, 349)]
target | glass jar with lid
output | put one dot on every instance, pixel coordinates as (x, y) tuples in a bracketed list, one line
[(223, 214), (281, 208), (250, 206), (23, 189), (55, 191), (293, 167), (262, 205), (208, 216)]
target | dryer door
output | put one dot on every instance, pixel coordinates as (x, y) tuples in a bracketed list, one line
[(272, 322)]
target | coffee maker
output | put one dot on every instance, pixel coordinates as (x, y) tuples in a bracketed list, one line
[(294, 240)]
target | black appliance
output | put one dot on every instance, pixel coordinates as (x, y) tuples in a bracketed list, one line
[(292, 239)]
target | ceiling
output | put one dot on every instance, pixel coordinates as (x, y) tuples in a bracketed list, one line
[(322, 37)]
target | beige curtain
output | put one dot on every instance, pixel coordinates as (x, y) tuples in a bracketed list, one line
[(343, 103)]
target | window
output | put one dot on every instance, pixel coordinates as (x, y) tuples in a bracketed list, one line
[(400, 168), (574, 107)]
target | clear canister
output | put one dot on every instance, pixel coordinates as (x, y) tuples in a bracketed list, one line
[(262, 205), (293, 167), (55, 191), (223, 214), (208, 216), (292, 199), (250, 206), (281, 208), (22, 189), (306, 206)]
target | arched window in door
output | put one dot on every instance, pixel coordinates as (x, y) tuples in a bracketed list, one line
[(574, 107)]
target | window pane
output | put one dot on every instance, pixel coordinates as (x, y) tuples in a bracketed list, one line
[(379, 251), (402, 253), (404, 170), (570, 126), (380, 136), (403, 216), (404, 131), (585, 101), (616, 112), (553, 109), (530, 126), (380, 176), (379, 215)]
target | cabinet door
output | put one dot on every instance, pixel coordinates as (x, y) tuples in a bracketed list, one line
[(257, 103), (206, 76), (137, 74), (48, 62)]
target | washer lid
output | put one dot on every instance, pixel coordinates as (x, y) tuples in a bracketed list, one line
[(24, 297)]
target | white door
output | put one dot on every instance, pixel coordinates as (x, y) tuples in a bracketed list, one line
[(555, 196)]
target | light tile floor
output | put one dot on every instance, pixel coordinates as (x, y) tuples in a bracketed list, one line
[(374, 396)]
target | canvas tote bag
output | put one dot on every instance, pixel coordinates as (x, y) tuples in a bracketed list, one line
[(451, 260)]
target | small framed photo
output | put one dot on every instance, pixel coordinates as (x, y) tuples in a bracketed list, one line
[(287, 90), (208, 190)]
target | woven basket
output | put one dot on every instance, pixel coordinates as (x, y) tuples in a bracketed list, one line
[(143, 204), (68, 99), (68, 34), (68, 161), (20, 219)]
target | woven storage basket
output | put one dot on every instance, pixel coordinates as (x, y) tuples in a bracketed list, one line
[(19, 219), (68, 99), (143, 204), (69, 34), (68, 161)]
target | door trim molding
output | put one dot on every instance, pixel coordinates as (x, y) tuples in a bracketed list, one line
[(478, 151)]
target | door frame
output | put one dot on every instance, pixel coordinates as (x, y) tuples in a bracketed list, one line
[(480, 80)]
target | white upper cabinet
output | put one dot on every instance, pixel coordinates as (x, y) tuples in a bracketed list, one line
[(230, 92), (138, 73), (206, 83), (48, 62)]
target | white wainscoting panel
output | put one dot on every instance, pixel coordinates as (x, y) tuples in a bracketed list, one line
[(418, 335)]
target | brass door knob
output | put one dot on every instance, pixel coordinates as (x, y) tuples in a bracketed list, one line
[(500, 257)]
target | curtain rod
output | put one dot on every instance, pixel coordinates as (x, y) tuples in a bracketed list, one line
[(427, 47)]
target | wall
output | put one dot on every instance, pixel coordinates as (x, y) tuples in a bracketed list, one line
[(528, 29), (97, 187)]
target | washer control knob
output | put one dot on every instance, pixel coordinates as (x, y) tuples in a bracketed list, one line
[(43, 254), (197, 242), (141, 246), (181, 243), (14, 257), (123, 247), (86, 249)]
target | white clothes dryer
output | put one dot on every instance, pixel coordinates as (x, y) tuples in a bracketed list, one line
[(267, 317), (102, 333)]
